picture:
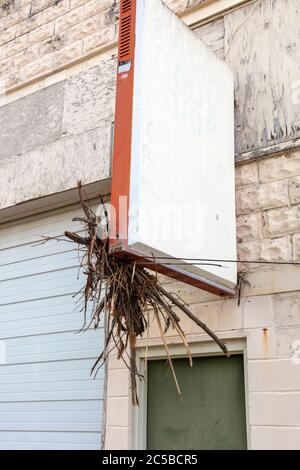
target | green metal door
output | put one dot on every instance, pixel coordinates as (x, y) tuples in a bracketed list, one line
[(212, 412)]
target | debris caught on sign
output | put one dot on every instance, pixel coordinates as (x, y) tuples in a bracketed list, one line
[(125, 292)]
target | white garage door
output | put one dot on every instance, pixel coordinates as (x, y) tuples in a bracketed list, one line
[(47, 398)]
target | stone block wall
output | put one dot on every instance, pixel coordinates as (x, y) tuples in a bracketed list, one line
[(57, 88), (268, 210), (38, 37), (58, 135), (57, 73), (267, 321)]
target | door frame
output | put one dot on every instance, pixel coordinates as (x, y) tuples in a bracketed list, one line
[(200, 348)]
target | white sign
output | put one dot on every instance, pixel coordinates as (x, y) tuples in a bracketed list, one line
[(182, 189)]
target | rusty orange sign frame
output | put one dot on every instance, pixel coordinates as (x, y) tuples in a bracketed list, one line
[(121, 162)]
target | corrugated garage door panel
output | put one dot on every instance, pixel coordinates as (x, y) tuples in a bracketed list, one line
[(47, 398)]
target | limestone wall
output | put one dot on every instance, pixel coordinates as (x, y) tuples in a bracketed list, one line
[(57, 87)]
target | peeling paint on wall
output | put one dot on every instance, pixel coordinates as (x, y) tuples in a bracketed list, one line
[(266, 113)]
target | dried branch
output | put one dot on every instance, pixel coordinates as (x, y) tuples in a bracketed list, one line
[(197, 321), (130, 292)]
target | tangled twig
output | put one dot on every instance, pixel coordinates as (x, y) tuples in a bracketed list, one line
[(130, 292)]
